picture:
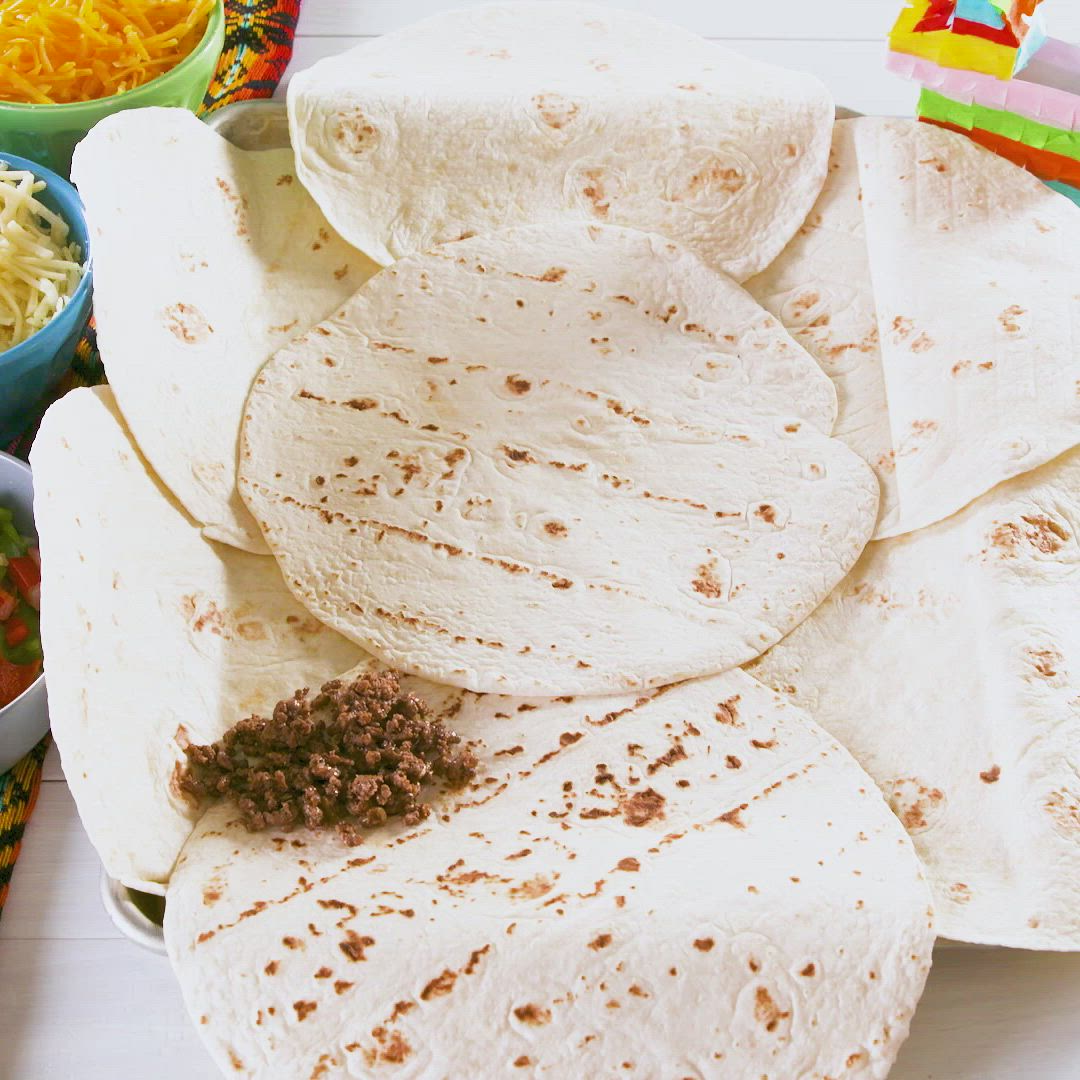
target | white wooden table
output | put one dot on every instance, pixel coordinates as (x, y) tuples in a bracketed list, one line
[(80, 1002)]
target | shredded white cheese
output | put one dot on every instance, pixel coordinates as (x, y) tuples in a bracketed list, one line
[(39, 269)]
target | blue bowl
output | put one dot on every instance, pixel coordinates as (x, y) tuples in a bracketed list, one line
[(31, 369)]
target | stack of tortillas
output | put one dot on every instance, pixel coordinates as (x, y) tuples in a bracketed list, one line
[(554, 449)]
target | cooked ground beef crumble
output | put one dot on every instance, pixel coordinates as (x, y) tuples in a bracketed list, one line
[(354, 755)]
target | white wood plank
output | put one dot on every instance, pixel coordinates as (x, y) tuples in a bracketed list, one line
[(868, 20), (993, 1014), (51, 767), (93, 1010), (853, 70), (54, 888)]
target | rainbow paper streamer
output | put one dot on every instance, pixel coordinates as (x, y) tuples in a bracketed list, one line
[(988, 73)]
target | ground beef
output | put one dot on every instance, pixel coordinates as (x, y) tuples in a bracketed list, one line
[(354, 755)]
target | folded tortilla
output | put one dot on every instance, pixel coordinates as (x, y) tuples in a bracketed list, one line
[(553, 460), (206, 259), (696, 882), (948, 662), (153, 636), (508, 114), (937, 285)]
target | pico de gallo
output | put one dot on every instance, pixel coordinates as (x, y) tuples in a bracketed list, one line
[(20, 602)]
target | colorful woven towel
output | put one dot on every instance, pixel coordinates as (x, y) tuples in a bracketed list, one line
[(258, 45)]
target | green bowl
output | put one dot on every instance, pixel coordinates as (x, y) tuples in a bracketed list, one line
[(47, 134)]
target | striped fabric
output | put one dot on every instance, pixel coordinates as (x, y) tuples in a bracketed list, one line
[(258, 44)]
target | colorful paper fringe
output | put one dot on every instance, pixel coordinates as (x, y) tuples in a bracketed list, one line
[(986, 36), (990, 74)]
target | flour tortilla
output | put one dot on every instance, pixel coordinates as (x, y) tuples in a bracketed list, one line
[(537, 112), (958, 367), (820, 289), (554, 460), (152, 635), (206, 259), (948, 662), (736, 899)]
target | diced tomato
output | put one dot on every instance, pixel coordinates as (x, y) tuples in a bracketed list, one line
[(8, 604), (26, 574), (15, 631), (15, 678)]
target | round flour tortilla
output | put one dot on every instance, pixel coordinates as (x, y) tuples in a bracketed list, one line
[(206, 259), (554, 460), (537, 112), (153, 636), (696, 882), (937, 285), (948, 662)]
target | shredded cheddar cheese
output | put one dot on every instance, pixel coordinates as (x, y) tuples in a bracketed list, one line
[(60, 51), (39, 268)]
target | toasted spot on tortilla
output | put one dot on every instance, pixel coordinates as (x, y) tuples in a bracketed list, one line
[(522, 1062), (642, 808), (187, 323), (629, 864), (555, 110), (354, 945), (601, 941), (533, 1015), (707, 583), (440, 986), (1046, 661), (991, 775), (717, 174), (354, 132), (304, 1009), (766, 1011), (704, 944), (808, 971), (917, 805), (802, 305), (394, 1048), (238, 204), (1045, 534), (902, 327), (1007, 320), (532, 888), (960, 893), (727, 712)]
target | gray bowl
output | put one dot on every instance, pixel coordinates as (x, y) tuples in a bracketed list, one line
[(26, 719), (137, 915)]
